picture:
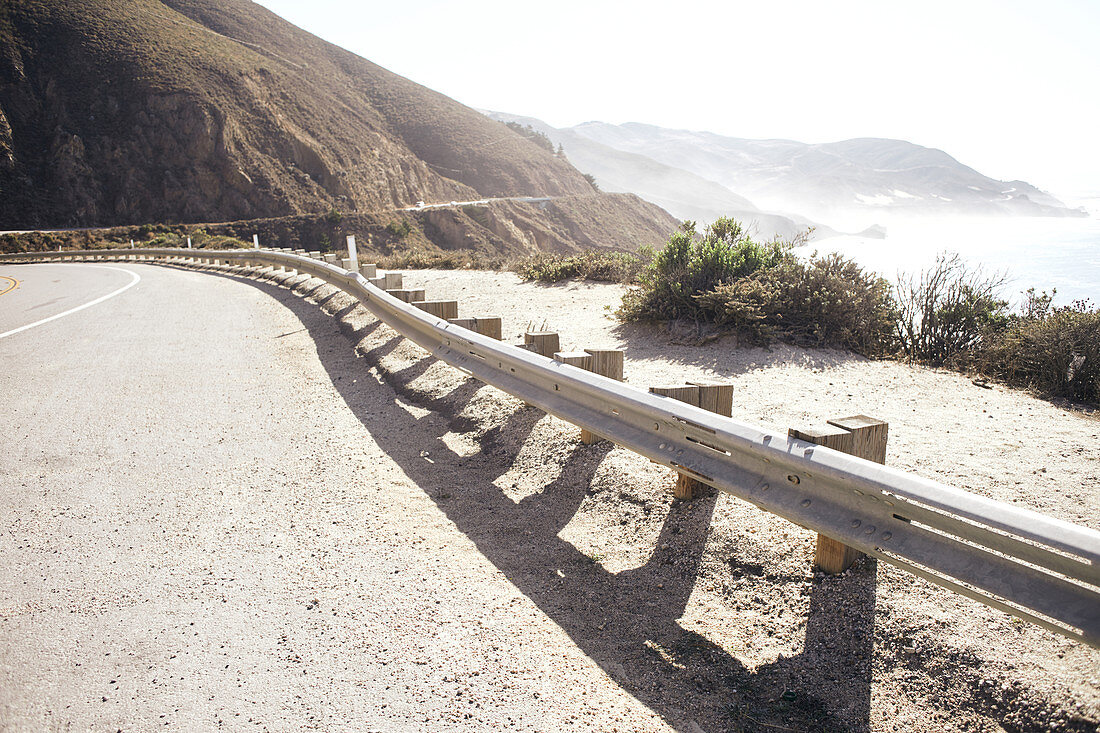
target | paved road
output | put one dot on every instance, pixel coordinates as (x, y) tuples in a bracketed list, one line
[(476, 202), (197, 530), (35, 294)]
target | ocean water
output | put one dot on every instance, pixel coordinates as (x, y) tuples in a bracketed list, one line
[(1041, 252)]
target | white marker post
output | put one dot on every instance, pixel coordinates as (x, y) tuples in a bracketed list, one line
[(256, 241), (353, 254), (131, 244)]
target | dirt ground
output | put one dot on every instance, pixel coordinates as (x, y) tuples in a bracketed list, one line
[(708, 609)]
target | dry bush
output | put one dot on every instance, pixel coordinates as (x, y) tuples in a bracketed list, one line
[(1053, 350), (418, 259), (945, 313), (612, 267)]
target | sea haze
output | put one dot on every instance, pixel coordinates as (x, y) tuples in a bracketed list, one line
[(1038, 252)]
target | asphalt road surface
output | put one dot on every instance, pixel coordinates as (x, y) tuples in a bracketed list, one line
[(197, 531)]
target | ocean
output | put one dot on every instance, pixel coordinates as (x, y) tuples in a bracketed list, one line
[(1041, 252)]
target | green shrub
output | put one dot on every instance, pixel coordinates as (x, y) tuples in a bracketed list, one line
[(615, 267), (691, 265), (827, 301), (399, 229), (1053, 350)]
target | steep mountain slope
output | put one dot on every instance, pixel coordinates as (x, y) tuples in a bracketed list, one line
[(680, 192), (822, 180), (121, 111)]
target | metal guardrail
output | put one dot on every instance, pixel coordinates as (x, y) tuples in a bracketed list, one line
[(1039, 568)]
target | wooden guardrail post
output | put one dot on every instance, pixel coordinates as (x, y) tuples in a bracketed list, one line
[(407, 295), (491, 326), (684, 488), (715, 396), (368, 270), (546, 343), (606, 363), (858, 435), (580, 359), (387, 281), (710, 395), (445, 309)]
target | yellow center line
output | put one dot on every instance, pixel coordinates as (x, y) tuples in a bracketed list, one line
[(12, 284)]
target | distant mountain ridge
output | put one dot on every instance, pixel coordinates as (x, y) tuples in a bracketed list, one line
[(823, 180), (682, 193), (130, 111)]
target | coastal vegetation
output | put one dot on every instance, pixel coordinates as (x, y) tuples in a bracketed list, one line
[(951, 315)]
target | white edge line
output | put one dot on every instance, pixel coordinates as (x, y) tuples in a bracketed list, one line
[(89, 304)]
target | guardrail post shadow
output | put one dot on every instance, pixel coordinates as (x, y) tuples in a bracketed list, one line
[(858, 435)]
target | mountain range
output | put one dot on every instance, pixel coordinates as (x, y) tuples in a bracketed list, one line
[(130, 111), (702, 175)]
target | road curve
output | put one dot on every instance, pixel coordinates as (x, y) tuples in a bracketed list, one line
[(198, 531), (47, 292)]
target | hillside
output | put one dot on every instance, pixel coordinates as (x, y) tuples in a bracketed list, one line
[(128, 111), (824, 180), (682, 193)]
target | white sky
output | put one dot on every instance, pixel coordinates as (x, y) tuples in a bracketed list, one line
[(1010, 88)]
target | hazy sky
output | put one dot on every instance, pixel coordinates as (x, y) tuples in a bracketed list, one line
[(1009, 88)]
